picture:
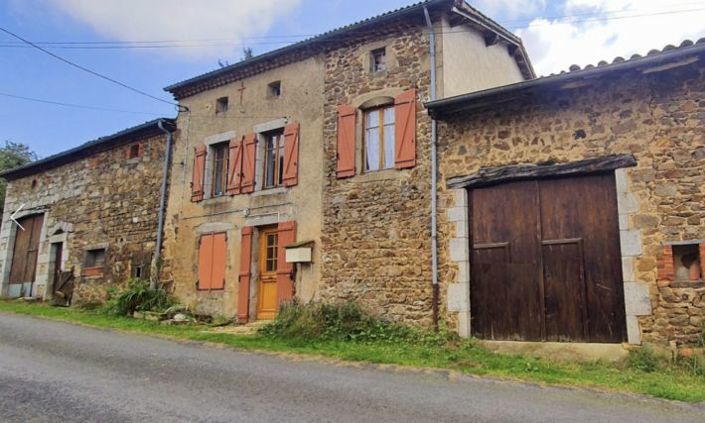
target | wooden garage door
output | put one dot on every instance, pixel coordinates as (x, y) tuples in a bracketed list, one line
[(546, 261), (26, 249)]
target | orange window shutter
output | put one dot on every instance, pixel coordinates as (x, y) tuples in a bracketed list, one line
[(405, 129), (205, 262), (291, 154), (199, 170), (345, 163), (243, 300), (249, 155), (219, 260), (286, 234), (234, 167)]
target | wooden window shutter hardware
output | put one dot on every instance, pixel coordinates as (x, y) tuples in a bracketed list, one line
[(199, 168), (405, 130), (345, 163), (291, 154)]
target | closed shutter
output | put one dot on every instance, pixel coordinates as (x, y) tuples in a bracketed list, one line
[(345, 164), (235, 167), (249, 155), (405, 129), (212, 254), (205, 262), (286, 234), (219, 259), (243, 301), (199, 170), (291, 154)]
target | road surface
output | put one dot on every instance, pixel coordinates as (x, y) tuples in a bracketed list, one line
[(54, 372)]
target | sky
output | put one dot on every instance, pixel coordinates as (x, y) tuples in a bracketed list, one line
[(149, 44)]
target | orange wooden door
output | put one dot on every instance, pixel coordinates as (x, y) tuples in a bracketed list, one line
[(267, 284)]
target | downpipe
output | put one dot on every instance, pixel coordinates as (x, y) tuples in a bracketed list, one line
[(434, 175), (156, 264)]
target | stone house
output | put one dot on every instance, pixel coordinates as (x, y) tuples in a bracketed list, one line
[(306, 171), (91, 210), (573, 206)]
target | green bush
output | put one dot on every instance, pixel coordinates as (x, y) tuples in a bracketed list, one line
[(137, 296), (316, 321), (643, 359)]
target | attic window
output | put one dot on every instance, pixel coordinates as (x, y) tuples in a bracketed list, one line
[(274, 89), (134, 151), (34, 183), (378, 60), (221, 105), (686, 262)]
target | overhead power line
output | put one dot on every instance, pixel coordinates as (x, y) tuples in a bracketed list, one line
[(76, 106), (85, 69)]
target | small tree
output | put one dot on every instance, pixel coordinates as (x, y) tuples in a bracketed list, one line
[(247, 54), (12, 155)]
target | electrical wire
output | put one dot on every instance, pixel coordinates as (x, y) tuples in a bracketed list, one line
[(92, 72), (76, 106)]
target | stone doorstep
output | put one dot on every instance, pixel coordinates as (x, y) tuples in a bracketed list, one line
[(247, 329), (562, 351)]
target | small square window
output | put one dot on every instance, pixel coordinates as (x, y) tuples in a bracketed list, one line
[(134, 151), (221, 105), (274, 89), (686, 262), (95, 258), (378, 60)]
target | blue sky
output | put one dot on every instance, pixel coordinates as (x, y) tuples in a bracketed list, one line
[(556, 33)]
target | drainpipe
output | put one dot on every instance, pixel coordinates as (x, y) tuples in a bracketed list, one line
[(156, 260), (434, 174)]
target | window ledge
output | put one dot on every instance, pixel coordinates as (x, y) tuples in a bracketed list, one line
[(380, 175), (270, 191), (92, 272)]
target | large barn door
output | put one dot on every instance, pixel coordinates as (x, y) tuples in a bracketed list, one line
[(546, 261), (505, 263), (25, 252)]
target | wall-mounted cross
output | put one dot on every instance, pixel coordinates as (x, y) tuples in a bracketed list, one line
[(242, 91)]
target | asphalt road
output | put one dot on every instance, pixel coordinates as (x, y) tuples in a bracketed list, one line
[(54, 372)]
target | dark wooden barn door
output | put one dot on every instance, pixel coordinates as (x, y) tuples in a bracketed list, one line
[(546, 261), (26, 249)]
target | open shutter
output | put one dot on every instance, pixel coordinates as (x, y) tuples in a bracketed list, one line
[(286, 234), (199, 170), (291, 154), (346, 141), (219, 260), (405, 129), (234, 166), (249, 152), (243, 296), (205, 262)]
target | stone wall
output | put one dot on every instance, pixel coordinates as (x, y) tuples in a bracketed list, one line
[(376, 237), (656, 117), (106, 200)]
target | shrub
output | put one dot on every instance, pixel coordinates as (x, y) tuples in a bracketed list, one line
[(644, 359), (316, 321), (137, 296)]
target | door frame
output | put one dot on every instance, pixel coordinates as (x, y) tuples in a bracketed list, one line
[(636, 293), (271, 276)]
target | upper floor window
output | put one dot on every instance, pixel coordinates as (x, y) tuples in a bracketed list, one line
[(378, 60), (221, 105), (134, 151), (274, 89), (95, 258), (220, 168), (273, 159), (379, 139)]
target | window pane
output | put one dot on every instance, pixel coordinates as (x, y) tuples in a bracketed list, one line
[(218, 170), (269, 159), (280, 168), (372, 149), (372, 119)]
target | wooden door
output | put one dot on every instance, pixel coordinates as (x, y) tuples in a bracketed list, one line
[(26, 249), (267, 283), (545, 261)]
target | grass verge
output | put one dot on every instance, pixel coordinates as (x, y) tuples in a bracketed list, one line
[(669, 382)]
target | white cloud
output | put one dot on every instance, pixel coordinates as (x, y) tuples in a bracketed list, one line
[(508, 8), (134, 20), (621, 28)]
